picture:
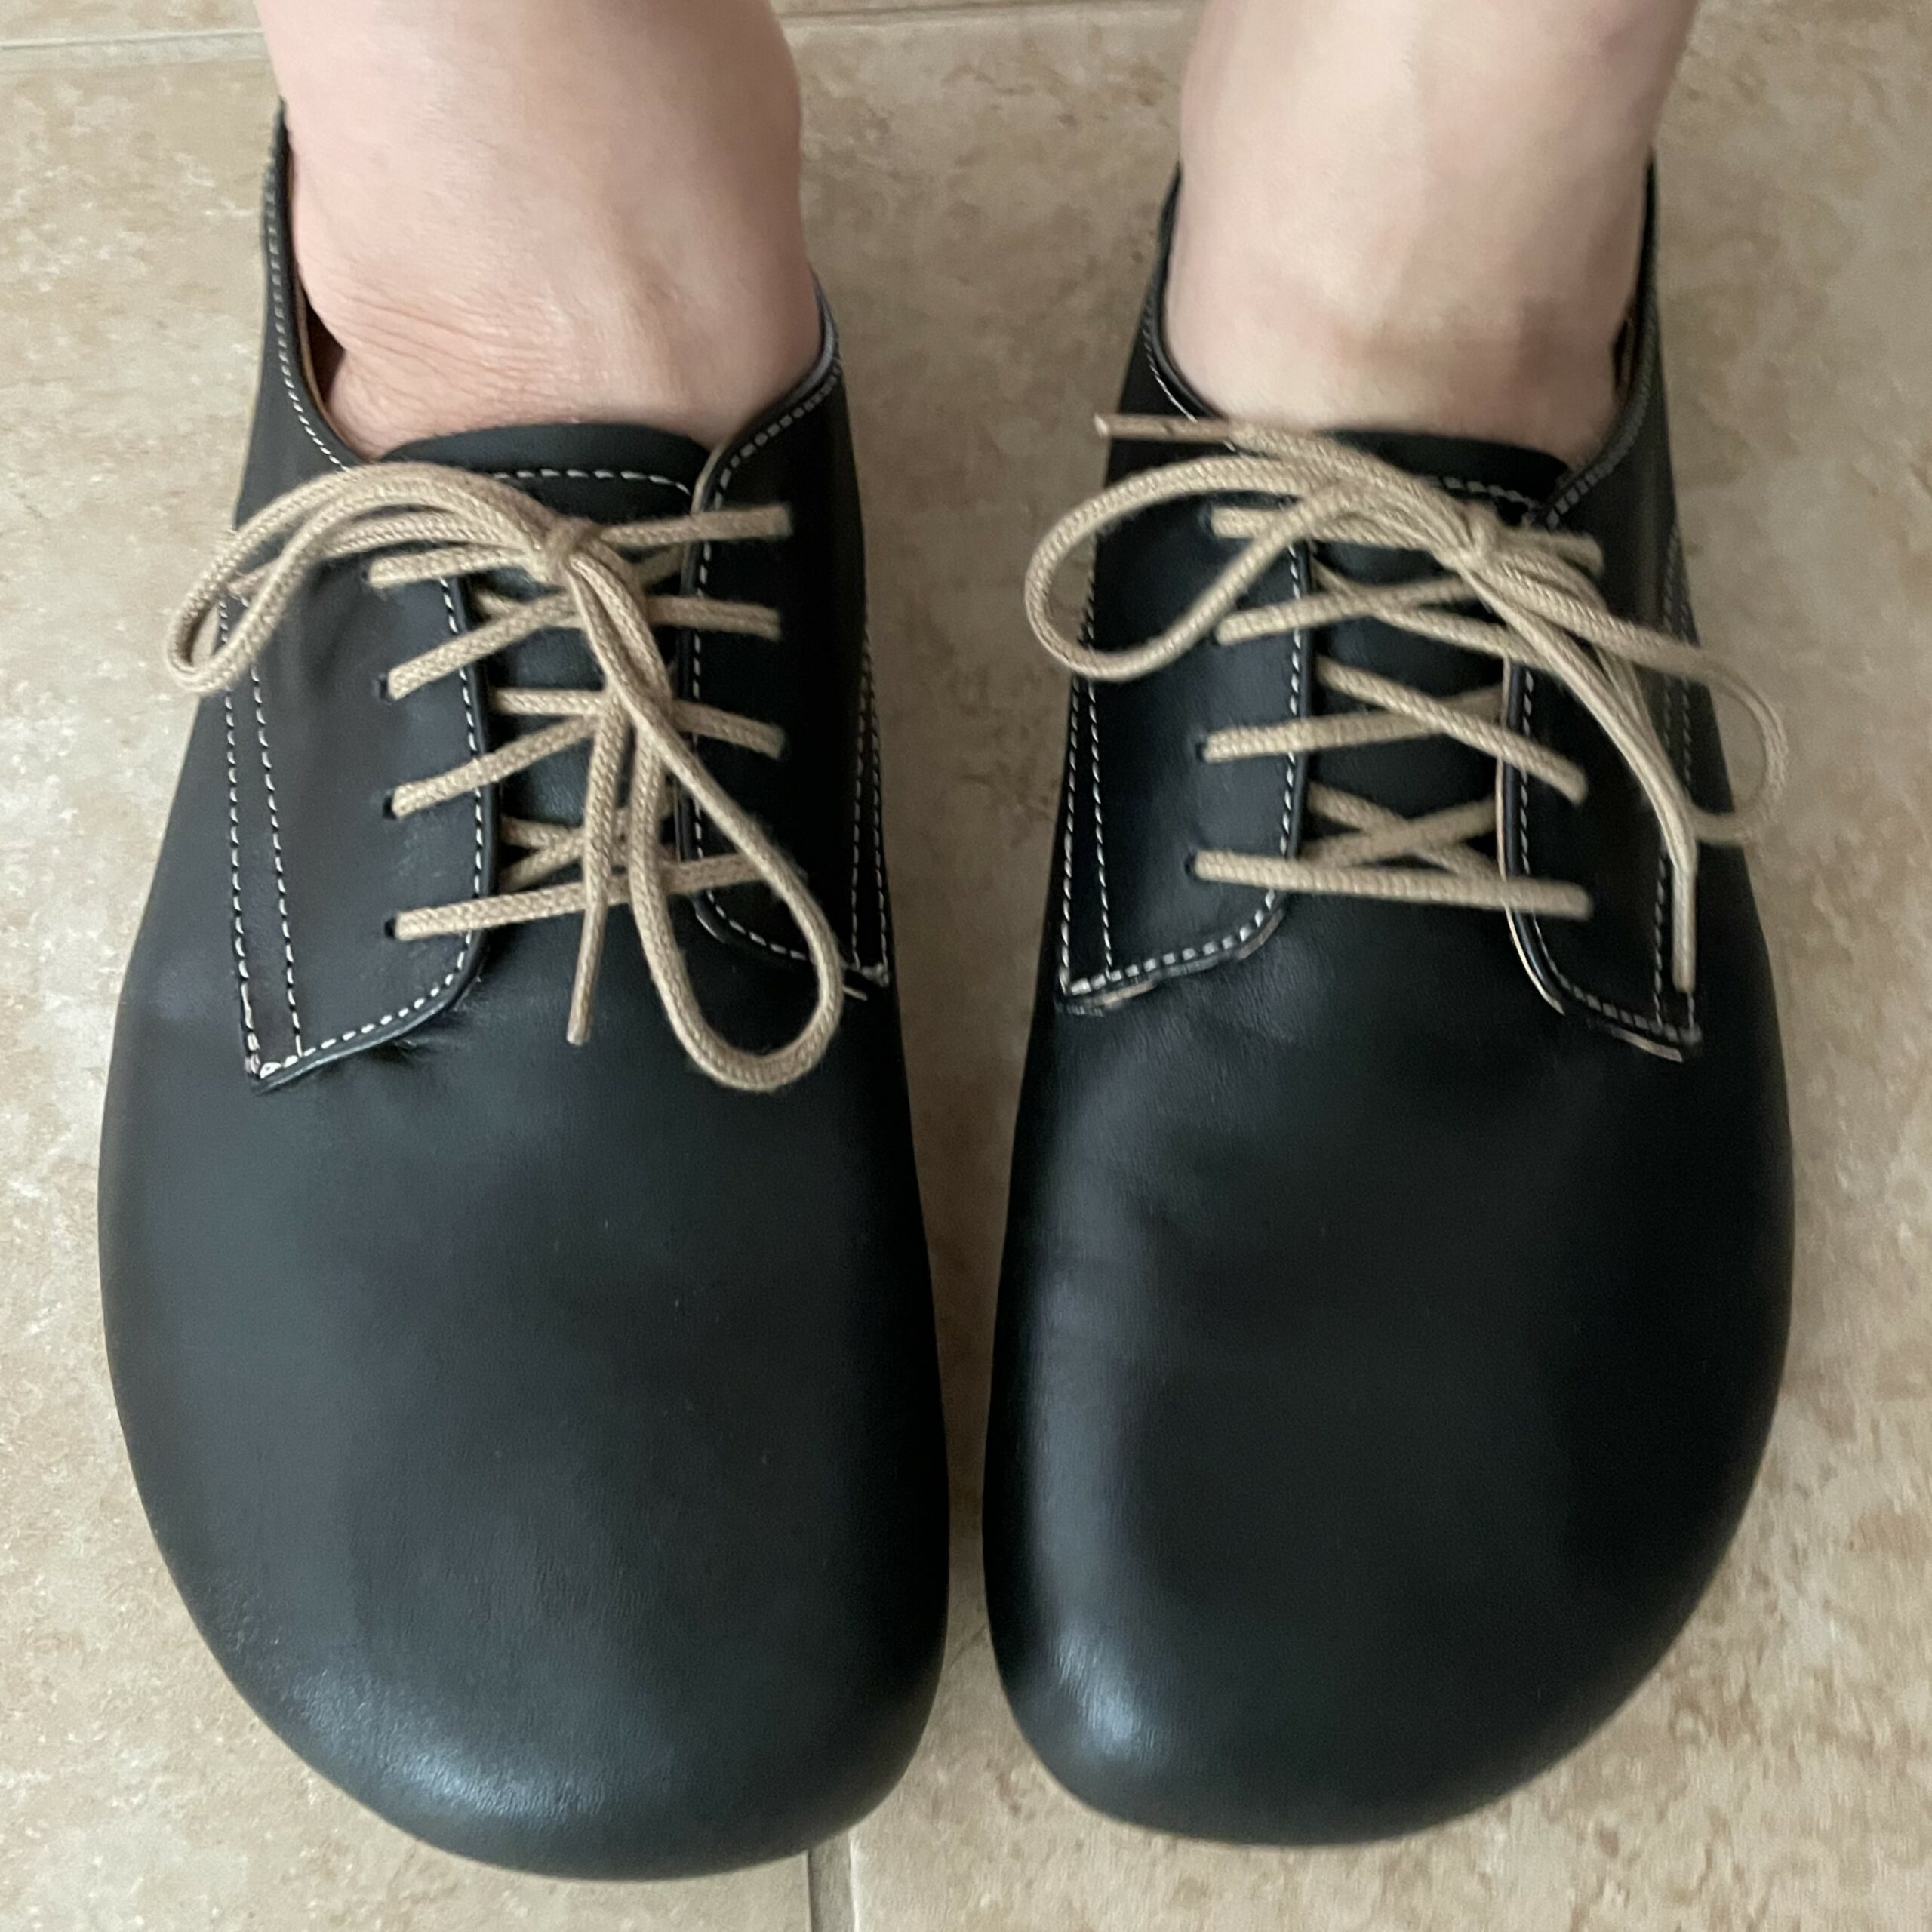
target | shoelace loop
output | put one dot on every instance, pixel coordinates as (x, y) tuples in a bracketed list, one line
[(1544, 613), (419, 523)]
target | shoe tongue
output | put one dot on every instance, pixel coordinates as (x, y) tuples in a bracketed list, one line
[(611, 472), (1428, 775)]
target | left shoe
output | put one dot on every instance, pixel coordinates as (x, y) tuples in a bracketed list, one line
[(545, 1437), (1399, 1255)]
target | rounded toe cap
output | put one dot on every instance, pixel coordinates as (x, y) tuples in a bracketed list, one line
[(522, 1688), (602, 1781), (1346, 1589), (1278, 1744), (582, 1601)]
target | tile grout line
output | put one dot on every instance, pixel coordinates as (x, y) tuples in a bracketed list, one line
[(194, 45), (134, 49), (139, 37), (828, 1887)]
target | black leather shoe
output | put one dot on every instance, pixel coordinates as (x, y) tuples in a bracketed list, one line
[(545, 1437), (1397, 1271)]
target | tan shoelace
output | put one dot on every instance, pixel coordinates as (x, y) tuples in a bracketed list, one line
[(421, 522), (1546, 615)]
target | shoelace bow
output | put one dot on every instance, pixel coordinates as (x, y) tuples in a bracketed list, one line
[(420, 522), (1544, 613)]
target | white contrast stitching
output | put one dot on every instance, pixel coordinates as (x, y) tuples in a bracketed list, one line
[(1672, 697), (1496, 490), (275, 843), (1071, 791), (882, 972), (454, 618), (1155, 359), (1663, 896), (1099, 824), (466, 950), (796, 414), (254, 1045), (1082, 694), (279, 301), (1635, 418), (592, 476), (859, 771), (1683, 625), (1227, 942), (1185, 955), (1641, 1022), (1688, 750), (275, 1066), (866, 783)]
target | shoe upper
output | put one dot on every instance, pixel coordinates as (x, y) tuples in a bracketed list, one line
[(545, 1438), (1395, 1293)]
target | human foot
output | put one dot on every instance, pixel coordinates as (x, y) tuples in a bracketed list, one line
[(1363, 241)]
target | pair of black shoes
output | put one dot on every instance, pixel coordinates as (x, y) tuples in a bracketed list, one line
[(546, 1437)]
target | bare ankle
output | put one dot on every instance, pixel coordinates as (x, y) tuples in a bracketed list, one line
[(1262, 343), (455, 351), (1418, 214), (554, 220)]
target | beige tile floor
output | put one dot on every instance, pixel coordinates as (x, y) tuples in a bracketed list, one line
[(981, 181)]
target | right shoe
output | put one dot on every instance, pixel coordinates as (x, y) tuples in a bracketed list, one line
[(1399, 1255), (545, 1438)]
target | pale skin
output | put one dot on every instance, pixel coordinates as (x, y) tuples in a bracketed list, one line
[(1417, 214)]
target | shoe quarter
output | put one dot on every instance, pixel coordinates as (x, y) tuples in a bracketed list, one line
[(320, 868), (1613, 969), (822, 799), (1140, 801)]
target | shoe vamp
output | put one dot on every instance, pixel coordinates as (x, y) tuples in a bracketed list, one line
[(485, 1391), (1372, 1323)]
